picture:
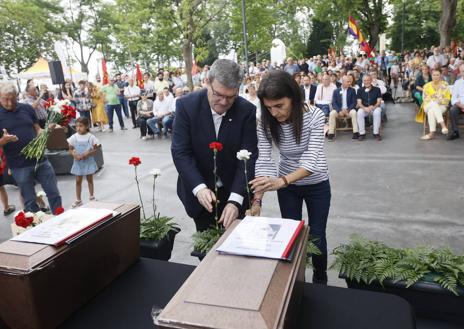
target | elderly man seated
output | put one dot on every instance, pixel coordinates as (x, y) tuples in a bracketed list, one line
[(162, 110), (343, 106), (457, 102), (369, 100)]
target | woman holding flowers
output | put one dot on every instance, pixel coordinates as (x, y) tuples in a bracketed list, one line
[(302, 175), (18, 127)]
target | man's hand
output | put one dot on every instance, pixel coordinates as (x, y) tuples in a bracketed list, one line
[(344, 112), (264, 184), (206, 198), (229, 214), (7, 138), (53, 126)]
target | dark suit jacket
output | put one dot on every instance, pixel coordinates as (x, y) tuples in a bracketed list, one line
[(193, 131), (312, 93), (337, 101)]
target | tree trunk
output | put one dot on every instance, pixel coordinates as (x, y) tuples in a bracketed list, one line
[(447, 21), (374, 36), (187, 54)]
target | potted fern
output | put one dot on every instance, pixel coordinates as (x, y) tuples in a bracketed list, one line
[(432, 280), (157, 233)]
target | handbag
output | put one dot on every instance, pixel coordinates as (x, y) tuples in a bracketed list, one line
[(420, 116)]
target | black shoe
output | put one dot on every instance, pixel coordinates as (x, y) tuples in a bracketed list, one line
[(134, 127), (355, 136), (331, 137), (378, 137), (454, 135), (362, 137), (9, 210)]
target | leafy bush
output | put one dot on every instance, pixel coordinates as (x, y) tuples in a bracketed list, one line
[(156, 227), (368, 261), (205, 240)]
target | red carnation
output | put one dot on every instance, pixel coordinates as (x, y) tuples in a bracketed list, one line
[(59, 211), (23, 221), (50, 102), (216, 146), (135, 161)]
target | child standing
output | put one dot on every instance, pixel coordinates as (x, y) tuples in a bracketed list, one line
[(83, 146)]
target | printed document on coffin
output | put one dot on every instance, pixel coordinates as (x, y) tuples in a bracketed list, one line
[(262, 237), (58, 230)]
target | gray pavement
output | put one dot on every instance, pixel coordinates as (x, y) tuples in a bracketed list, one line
[(402, 191)]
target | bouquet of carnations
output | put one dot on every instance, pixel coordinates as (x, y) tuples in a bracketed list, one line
[(27, 220), (60, 113)]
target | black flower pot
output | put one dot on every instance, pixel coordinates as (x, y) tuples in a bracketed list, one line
[(158, 249), (428, 299), (199, 254)]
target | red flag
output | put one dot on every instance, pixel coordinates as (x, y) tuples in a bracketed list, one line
[(106, 79), (139, 76)]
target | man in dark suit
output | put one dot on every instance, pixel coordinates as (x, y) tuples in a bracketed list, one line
[(308, 90), (213, 114), (369, 100), (343, 106)]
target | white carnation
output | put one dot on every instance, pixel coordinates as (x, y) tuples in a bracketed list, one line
[(29, 214), (155, 172), (41, 194), (243, 155)]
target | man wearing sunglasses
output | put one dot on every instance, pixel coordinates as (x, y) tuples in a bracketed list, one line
[(214, 114)]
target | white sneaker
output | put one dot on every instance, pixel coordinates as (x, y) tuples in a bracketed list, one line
[(144, 138)]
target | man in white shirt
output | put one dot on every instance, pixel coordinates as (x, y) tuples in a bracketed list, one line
[(457, 102), (148, 86), (324, 93), (161, 108), (132, 94), (437, 60)]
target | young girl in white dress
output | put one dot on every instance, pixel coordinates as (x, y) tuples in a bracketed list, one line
[(83, 146)]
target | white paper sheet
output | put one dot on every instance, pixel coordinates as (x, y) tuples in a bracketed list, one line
[(60, 228), (260, 237)]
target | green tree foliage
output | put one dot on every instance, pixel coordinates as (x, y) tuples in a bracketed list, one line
[(320, 39), (27, 32), (420, 24), (88, 23)]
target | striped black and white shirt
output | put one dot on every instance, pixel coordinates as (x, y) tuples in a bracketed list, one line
[(309, 154)]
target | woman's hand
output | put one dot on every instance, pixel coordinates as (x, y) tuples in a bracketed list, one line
[(264, 184), (255, 210)]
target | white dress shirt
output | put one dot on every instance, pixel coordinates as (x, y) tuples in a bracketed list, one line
[(458, 92), (344, 97), (217, 120), (161, 108), (324, 94), (307, 91), (132, 93)]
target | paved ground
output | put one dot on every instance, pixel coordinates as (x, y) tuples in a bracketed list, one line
[(402, 190)]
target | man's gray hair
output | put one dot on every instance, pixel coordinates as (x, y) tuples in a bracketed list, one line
[(226, 72), (8, 88)]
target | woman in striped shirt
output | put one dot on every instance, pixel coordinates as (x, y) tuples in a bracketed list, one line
[(302, 174)]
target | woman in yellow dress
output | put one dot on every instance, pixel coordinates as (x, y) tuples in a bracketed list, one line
[(437, 96), (98, 106)]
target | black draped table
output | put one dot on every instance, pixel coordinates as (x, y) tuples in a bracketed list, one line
[(128, 303)]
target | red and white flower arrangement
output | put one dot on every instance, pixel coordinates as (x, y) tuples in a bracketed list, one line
[(27, 220), (60, 113)]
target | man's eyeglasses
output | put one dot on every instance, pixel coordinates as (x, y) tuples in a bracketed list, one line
[(218, 95)]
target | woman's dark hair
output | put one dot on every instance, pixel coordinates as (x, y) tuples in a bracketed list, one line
[(84, 121), (276, 85)]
